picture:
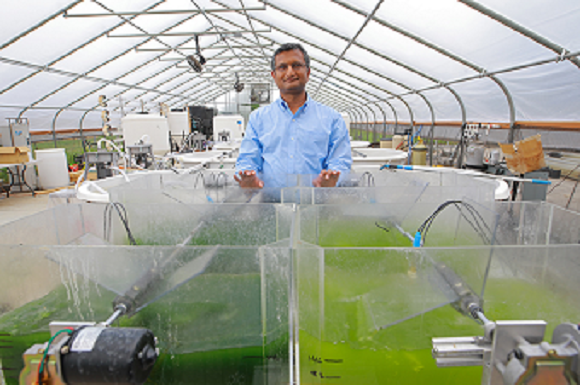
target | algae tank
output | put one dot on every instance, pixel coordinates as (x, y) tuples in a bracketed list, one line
[(323, 287)]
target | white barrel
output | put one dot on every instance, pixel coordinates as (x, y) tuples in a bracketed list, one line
[(154, 128), (52, 168), (178, 123)]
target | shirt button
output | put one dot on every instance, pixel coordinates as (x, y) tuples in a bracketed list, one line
[(291, 156), (293, 120), (292, 138)]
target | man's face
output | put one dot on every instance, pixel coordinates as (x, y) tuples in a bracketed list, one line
[(291, 74)]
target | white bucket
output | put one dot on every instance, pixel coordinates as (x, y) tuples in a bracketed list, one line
[(52, 168)]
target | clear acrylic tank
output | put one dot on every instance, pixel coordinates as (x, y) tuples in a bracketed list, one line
[(368, 303), (323, 288), (220, 308)]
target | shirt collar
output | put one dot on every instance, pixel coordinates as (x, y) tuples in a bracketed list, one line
[(284, 105)]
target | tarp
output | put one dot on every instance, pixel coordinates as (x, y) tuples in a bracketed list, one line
[(444, 60)]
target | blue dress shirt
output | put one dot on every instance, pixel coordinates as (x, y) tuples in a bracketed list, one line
[(279, 144)]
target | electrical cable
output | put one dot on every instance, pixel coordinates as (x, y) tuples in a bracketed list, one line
[(572, 194), (122, 216), (41, 365), (477, 221), (563, 178), (382, 227)]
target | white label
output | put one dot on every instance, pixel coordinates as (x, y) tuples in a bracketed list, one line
[(86, 339)]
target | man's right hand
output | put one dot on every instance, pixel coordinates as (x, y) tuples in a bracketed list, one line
[(248, 179)]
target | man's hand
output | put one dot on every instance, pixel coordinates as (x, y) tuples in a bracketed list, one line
[(327, 178), (248, 179)]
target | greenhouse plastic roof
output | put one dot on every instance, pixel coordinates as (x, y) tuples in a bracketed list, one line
[(405, 60)]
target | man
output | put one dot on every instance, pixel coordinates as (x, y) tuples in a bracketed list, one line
[(295, 134)]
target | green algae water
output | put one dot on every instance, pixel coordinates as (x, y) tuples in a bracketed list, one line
[(210, 331), (377, 316)]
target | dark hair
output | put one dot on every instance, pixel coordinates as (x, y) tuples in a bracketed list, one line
[(289, 47)]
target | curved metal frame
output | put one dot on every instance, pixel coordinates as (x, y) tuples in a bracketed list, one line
[(338, 82)]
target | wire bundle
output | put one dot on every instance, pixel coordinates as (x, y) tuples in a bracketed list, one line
[(45, 354), (122, 216), (476, 221)]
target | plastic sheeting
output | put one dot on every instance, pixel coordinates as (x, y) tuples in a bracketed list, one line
[(49, 62)]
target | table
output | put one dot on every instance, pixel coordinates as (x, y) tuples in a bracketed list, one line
[(20, 175)]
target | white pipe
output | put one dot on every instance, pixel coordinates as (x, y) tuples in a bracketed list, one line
[(80, 180), (121, 154), (122, 173), (96, 186)]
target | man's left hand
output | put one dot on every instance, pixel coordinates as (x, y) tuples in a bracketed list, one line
[(327, 178)]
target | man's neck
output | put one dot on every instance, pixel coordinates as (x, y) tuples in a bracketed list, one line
[(293, 101)]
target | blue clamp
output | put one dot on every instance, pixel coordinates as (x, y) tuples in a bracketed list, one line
[(417, 241)]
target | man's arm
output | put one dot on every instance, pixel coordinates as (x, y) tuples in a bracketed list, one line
[(250, 160), (339, 157)]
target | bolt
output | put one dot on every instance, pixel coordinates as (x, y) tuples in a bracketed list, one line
[(551, 352), (64, 350)]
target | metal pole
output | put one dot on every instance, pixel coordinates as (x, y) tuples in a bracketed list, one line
[(350, 42), (165, 12), (54, 126)]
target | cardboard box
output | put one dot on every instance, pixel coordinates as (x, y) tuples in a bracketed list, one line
[(11, 155), (524, 156)]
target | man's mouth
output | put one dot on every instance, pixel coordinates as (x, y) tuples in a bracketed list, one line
[(290, 80)]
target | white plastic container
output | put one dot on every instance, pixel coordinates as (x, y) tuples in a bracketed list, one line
[(398, 142), (377, 157), (52, 168), (178, 123), (359, 144), (156, 127), (230, 126)]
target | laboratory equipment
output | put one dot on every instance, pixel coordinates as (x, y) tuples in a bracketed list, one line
[(514, 352), (141, 154), (90, 353), (103, 160), (228, 128)]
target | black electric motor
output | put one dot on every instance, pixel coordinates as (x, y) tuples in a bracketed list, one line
[(104, 355)]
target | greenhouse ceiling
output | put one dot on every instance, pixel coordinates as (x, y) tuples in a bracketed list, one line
[(406, 60)]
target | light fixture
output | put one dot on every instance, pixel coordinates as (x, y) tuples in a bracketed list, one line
[(193, 62), (238, 87)]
